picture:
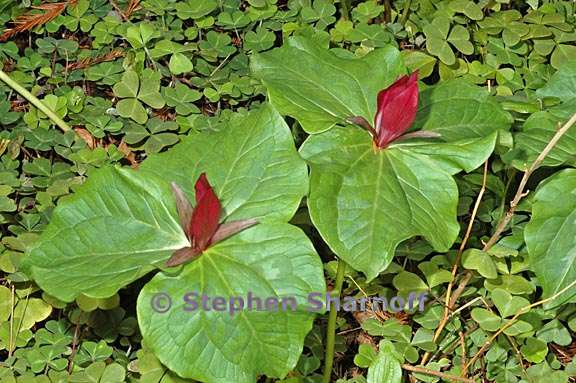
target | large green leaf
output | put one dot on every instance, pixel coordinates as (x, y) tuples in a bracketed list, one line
[(273, 260), (551, 235), (537, 132), (541, 126), (321, 89), (111, 232), (365, 202), (123, 222), (459, 110), (251, 161), (562, 84)]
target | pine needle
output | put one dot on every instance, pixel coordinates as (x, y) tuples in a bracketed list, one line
[(132, 6), (89, 61), (30, 21)]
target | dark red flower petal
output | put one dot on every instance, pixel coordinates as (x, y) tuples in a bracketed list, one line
[(206, 215), (397, 107)]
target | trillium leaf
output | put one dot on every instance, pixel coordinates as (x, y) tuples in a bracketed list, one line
[(538, 130), (251, 162), (459, 110), (541, 126), (273, 260), (365, 202), (562, 84), (111, 232), (321, 89), (551, 236)]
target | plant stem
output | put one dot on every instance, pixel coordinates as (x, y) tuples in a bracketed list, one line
[(405, 12), (387, 11), (34, 101), (345, 9), (331, 331)]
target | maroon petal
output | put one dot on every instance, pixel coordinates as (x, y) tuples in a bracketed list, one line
[(206, 214), (397, 106), (181, 256), (420, 134), (363, 123), (228, 229), (183, 207)]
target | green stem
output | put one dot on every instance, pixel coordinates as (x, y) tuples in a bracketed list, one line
[(331, 331), (34, 101), (405, 12), (345, 9)]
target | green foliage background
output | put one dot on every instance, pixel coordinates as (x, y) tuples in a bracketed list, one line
[(138, 84)]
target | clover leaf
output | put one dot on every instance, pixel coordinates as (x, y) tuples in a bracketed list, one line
[(135, 90), (154, 136), (181, 98), (138, 36), (439, 36), (508, 23), (195, 9)]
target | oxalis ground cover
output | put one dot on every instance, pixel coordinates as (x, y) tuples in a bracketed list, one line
[(186, 187)]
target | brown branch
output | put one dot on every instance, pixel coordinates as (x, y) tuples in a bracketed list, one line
[(463, 348), (425, 371), (75, 341), (118, 10), (30, 21), (520, 192)]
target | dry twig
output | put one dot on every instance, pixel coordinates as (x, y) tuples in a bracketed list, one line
[(520, 192), (426, 371)]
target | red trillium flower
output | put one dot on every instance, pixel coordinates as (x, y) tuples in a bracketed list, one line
[(397, 106), (202, 223)]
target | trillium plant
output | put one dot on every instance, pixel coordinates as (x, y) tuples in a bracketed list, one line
[(369, 187), (202, 223)]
